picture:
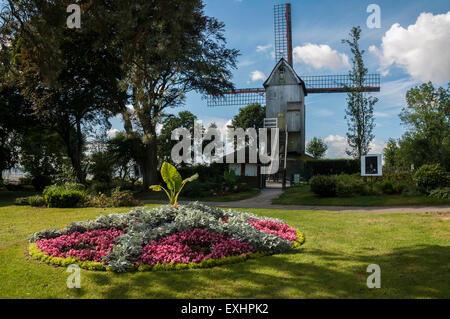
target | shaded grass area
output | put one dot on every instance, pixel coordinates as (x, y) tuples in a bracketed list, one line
[(301, 195), (8, 197), (219, 198), (412, 250)]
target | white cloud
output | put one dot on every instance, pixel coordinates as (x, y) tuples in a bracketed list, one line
[(257, 76), (112, 132), (320, 56), (393, 93), (422, 49), (338, 144), (263, 48), (244, 63)]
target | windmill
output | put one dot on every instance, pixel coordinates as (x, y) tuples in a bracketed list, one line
[(284, 91)]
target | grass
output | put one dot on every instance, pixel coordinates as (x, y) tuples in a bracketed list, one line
[(412, 250), (219, 198), (301, 195)]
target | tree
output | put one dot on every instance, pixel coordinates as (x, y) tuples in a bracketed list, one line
[(427, 120), (12, 114), (250, 116), (390, 152), (168, 48), (171, 122), (317, 148), (359, 111), (41, 154), (80, 91)]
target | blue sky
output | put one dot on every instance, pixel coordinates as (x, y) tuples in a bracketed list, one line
[(404, 57), (411, 46), (249, 28)]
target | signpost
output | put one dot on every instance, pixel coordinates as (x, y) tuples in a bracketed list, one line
[(371, 165)]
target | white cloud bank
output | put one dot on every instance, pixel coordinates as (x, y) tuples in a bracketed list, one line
[(422, 49), (257, 76), (263, 48), (338, 144), (320, 56)]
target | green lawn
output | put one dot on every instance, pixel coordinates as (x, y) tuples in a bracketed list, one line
[(412, 250), (301, 195), (220, 198)]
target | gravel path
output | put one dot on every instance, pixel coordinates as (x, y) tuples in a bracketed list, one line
[(264, 201)]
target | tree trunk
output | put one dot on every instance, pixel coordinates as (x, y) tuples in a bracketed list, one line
[(150, 165)]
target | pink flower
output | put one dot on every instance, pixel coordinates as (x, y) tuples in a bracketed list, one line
[(193, 245), (279, 229), (90, 245)]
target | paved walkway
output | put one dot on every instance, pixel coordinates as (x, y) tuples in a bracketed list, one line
[(264, 201)]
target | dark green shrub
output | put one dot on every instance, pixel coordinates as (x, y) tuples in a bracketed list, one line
[(442, 193), (244, 187), (331, 167), (23, 201), (387, 188), (100, 200), (344, 190), (14, 187), (431, 176), (62, 196), (323, 185), (97, 187), (197, 189), (122, 198), (412, 191), (26, 180), (36, 201), (40, 182)]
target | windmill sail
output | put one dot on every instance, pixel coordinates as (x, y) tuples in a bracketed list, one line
[(283, 50), (283, 32)]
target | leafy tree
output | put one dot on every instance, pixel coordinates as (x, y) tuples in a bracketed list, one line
[(427, 120), (359, 112), (124, 148), (317, 148), (169, 123), (391, 152), (250, 116), (79, 90), (41, 155), (12, 114), (166, 53)]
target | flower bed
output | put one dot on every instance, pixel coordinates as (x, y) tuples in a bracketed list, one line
[(190, 236)]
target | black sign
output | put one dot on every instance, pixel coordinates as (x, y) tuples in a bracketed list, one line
[(371, 165)]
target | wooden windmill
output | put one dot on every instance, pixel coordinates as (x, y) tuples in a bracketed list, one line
[(284, 91)]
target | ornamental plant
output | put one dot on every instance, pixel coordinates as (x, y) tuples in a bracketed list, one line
[(173, 181), (164, 238)]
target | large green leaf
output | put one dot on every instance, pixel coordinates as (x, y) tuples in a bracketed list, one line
[(191, 179), (171, 176), (155, 188)]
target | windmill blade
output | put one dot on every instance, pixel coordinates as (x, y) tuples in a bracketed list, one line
[(238, 97), (283, 32), (339, 83)]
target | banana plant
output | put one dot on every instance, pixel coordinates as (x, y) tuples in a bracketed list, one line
[(174, 183)]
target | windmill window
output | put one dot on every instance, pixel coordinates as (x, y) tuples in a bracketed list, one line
[(282, 75)]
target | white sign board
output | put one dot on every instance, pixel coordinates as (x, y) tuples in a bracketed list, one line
[(371, 165)]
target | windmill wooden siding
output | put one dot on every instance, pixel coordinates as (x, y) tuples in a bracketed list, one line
[(285, 100)]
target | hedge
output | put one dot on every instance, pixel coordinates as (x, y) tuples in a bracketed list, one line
[(332, 167)]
